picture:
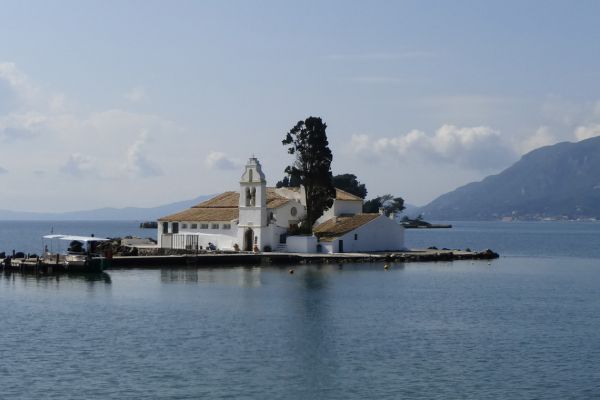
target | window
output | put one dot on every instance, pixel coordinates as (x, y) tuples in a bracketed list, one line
[(183, 226), (226, 226), (293, 211), (356, 236), (203, 226), (194, 226), (214, 226)]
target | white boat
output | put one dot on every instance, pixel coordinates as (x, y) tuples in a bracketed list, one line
[(79, 257)]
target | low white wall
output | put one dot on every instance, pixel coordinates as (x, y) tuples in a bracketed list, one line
[(381, 234), (301, 244)]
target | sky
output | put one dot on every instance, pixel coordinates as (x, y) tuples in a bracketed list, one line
[(142, 103)]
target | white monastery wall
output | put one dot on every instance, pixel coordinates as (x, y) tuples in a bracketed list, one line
[(283, 215), (301, 244)]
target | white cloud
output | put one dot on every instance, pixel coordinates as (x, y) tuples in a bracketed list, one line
[(542, 137), (138, 164), (471, 147), (57, 102), (94, 143), (19, 82), (586, 132), (21, 126), (78, 165), (136, 94), (219, 160)]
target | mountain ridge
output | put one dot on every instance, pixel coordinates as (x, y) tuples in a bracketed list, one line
[(105, 213), (561, 181)]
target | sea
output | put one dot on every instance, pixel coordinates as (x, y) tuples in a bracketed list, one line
[(524, 326)]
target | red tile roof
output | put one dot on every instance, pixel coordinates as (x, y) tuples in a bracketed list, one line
[(339, 226)]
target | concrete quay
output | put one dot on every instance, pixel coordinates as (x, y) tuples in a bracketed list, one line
[(216, 259)]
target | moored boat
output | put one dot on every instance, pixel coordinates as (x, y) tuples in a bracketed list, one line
[(80, 256)]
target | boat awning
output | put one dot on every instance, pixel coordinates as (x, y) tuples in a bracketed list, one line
[(77, 238)]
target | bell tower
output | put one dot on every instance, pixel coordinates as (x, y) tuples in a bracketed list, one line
[(253, 205)]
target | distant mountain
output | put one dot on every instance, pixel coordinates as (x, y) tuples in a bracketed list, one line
[(411, 210), (559, 181), (108, 213)]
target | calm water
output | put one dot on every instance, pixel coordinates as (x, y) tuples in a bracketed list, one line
[(26, 236), (525, 326)]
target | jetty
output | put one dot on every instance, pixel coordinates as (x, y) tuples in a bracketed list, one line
[(274, 258), (216, 259)]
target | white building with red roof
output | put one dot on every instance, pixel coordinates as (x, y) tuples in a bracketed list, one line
[(261, 218)]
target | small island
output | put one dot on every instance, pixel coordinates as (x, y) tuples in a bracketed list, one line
[(420, 223)]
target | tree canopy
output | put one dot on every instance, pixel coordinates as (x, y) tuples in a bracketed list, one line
[(288, 181), (307, 141), (350, 184), (389, 203)]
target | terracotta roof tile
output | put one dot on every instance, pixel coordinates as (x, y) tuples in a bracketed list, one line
[(339, 226), (204, 214), (224, 200), (223, 207), (232, 199)]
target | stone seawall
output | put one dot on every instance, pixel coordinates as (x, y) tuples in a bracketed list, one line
[(158, 258)]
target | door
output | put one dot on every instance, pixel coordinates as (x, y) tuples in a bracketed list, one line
[(340, 246), (248, 240)]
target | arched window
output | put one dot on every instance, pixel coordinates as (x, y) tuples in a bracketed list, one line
[(253, 202), (250, 175), (248, 195)]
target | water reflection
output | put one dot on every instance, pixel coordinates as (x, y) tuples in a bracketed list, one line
[(314, 329), (315, 277), (240, 276), (55, 279)]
